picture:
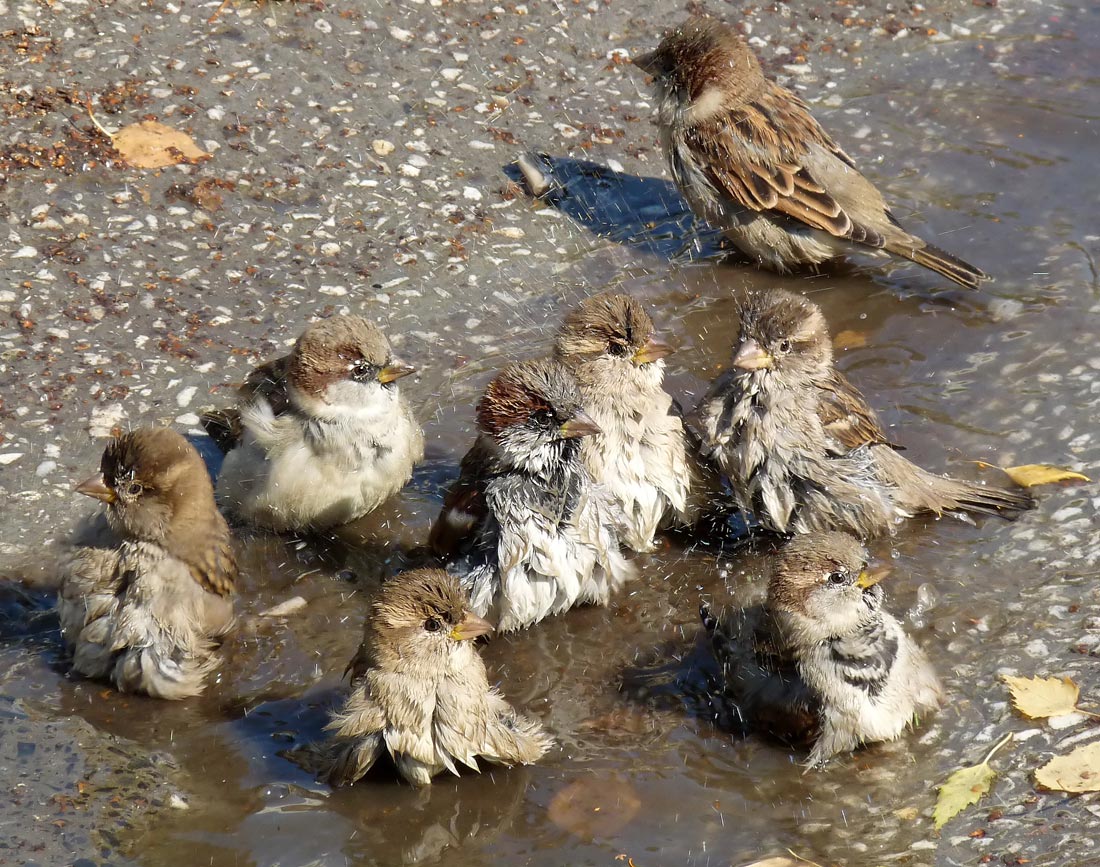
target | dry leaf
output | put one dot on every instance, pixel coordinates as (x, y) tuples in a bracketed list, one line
[(1042, 697), (1030, 475), (849, 339), (777, 861), (965, 787), (1074, 773), (152, 145), (594, 807)]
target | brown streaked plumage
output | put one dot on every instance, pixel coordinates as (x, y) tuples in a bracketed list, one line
[(820, 659), (751, 159), (800, 446), (642, 457), (421, 692), (322, 436), (147, 606)]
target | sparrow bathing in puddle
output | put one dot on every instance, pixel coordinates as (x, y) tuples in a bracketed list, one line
[(821, 660), (751, 160), (642, 455), (800, 446), (146, 603), (525, 526), (322, 436), (421, 693)]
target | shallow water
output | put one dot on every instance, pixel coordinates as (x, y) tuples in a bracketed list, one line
[(987, 147)]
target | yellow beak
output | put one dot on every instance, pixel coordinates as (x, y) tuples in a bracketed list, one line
[(471, 627), (96, 488), (580, 425), (869, 579), (653, 350), (394, 370), (750, 356)]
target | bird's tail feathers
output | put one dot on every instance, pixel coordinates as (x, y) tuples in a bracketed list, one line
[(945, 494), (943, 263)]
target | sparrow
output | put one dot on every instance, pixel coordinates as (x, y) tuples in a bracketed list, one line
[(751, 159), (642, 456), (146, 604), (421, 692), (525, 526), (821, 660), (322, 436), (800, 446)]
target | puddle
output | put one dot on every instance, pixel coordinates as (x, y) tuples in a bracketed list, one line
[(995, 144)]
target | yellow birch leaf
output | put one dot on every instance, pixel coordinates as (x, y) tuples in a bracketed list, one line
[(152, 145), (1042, 697), (964, 787), (1030, 475), (1074, 773)]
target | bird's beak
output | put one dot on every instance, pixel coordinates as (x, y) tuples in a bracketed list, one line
[(868, 579), (471, 627), (394, 370), (750, 356), (97, 488), (580, 425), (647, 62), (653, 350)]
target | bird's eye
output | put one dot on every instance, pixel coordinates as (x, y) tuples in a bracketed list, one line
[(542, 417), (432, 624), (617, 349), (134, 489), (785, 346), (362, 371), (837, 578)]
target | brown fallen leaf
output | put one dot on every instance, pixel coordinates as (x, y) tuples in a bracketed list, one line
[(965, 786), (595, 807), (1030, 475), (849, 339), (152, 145), (1077, 772), (1042, 697)]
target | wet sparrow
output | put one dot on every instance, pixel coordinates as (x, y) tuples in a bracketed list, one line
[(801, 448), (525, 526), (751, 159), (145, 605), (642, 454), (421, 692), (322, 436), (821, 659)]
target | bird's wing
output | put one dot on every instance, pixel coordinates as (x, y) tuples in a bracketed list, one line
[(465, 507), (358, 739), (846, 417), (771, 155), (865, 660), (268, 381)]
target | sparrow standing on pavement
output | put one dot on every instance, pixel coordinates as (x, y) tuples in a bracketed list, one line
[(525, 526), (750, 159), (421, 692), (322, 436), (146, 606), (821, 659), (641, 456), (801, 448)]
